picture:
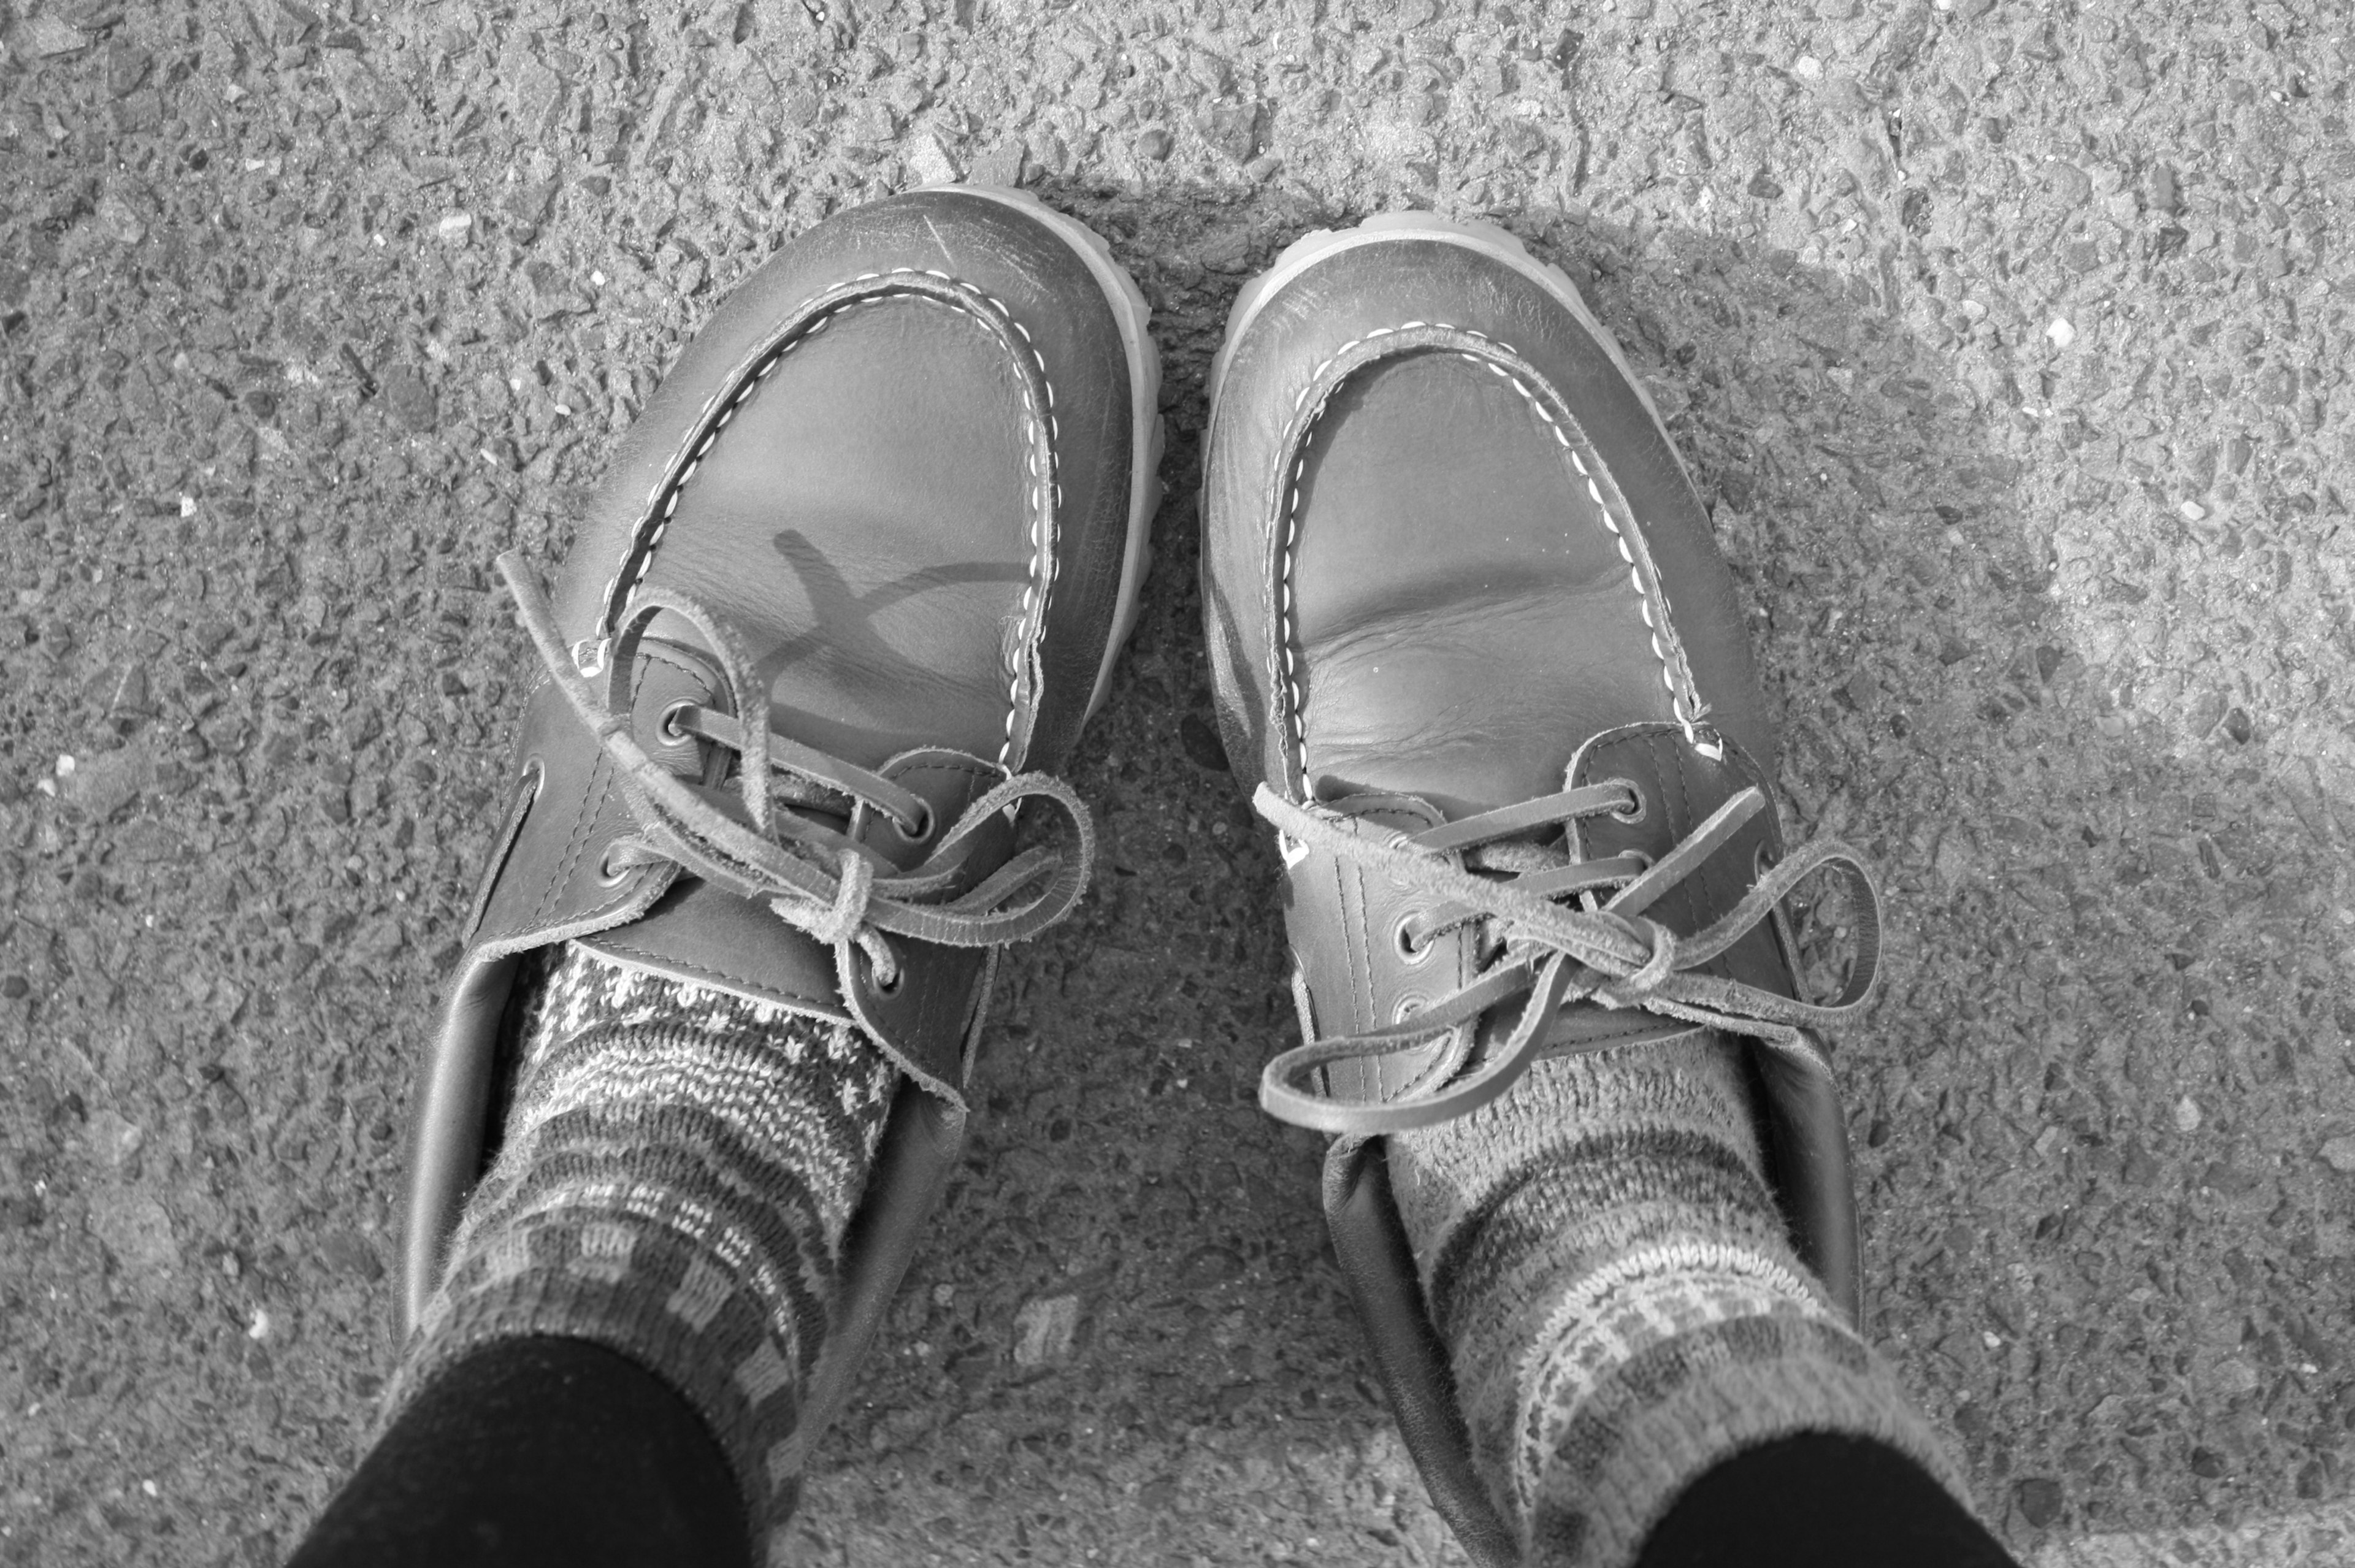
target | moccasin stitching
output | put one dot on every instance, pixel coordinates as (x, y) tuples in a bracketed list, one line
[(1046, 489), (1595, 493), (1684, 703)]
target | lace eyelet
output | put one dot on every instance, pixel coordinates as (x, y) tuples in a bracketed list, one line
[(669, 728), (926, 822), (608, 874), (1643, 861), (1641, 811), (1408, 1006), (1402, 937)]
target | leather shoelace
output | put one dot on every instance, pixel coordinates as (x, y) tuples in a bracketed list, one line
[(1551, 953), (812, 877)]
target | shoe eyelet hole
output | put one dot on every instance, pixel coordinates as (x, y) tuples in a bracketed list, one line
[(670, 730), (1643, 861), (926, 820), (609, 875), (1640, 811), (1402, 934), (1408, 1006)]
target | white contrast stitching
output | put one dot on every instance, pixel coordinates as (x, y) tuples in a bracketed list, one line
[(1595, 493), (1295, 702), (1046, 489), (1036, 594)]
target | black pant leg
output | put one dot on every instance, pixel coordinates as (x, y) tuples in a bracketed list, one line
[(533, 1453), (1819, 1500)]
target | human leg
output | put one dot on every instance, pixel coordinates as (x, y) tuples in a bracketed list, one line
[(858, 576), (1820, 1500), (538, 1452), (1640, 1359), (640, 1289)]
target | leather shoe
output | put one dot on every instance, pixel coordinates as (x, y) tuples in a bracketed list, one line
[(856, 580), (1473, 642)]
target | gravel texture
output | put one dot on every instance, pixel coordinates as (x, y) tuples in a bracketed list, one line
[(2008, 341)]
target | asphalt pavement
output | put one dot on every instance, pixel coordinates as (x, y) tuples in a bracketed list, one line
[(2009, 343)]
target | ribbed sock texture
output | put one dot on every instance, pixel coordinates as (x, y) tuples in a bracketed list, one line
[(1621, 1305), (679, 1168)]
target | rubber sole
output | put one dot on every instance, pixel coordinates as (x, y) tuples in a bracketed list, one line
[(1147, 436), (1390, 227)]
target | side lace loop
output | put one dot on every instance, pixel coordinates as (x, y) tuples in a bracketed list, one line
[(1550, 955), (810, 876)]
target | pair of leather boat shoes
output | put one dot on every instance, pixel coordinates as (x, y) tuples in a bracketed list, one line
[(858, 581)]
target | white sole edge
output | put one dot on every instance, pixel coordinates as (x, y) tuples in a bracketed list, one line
[(1389, 227), (1146, 435)]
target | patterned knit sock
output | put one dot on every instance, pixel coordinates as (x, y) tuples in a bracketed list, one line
[(1620, 1302), (679, 1167)]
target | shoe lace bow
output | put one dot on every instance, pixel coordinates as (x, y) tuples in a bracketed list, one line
[(814, 877), (1552, 954)]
